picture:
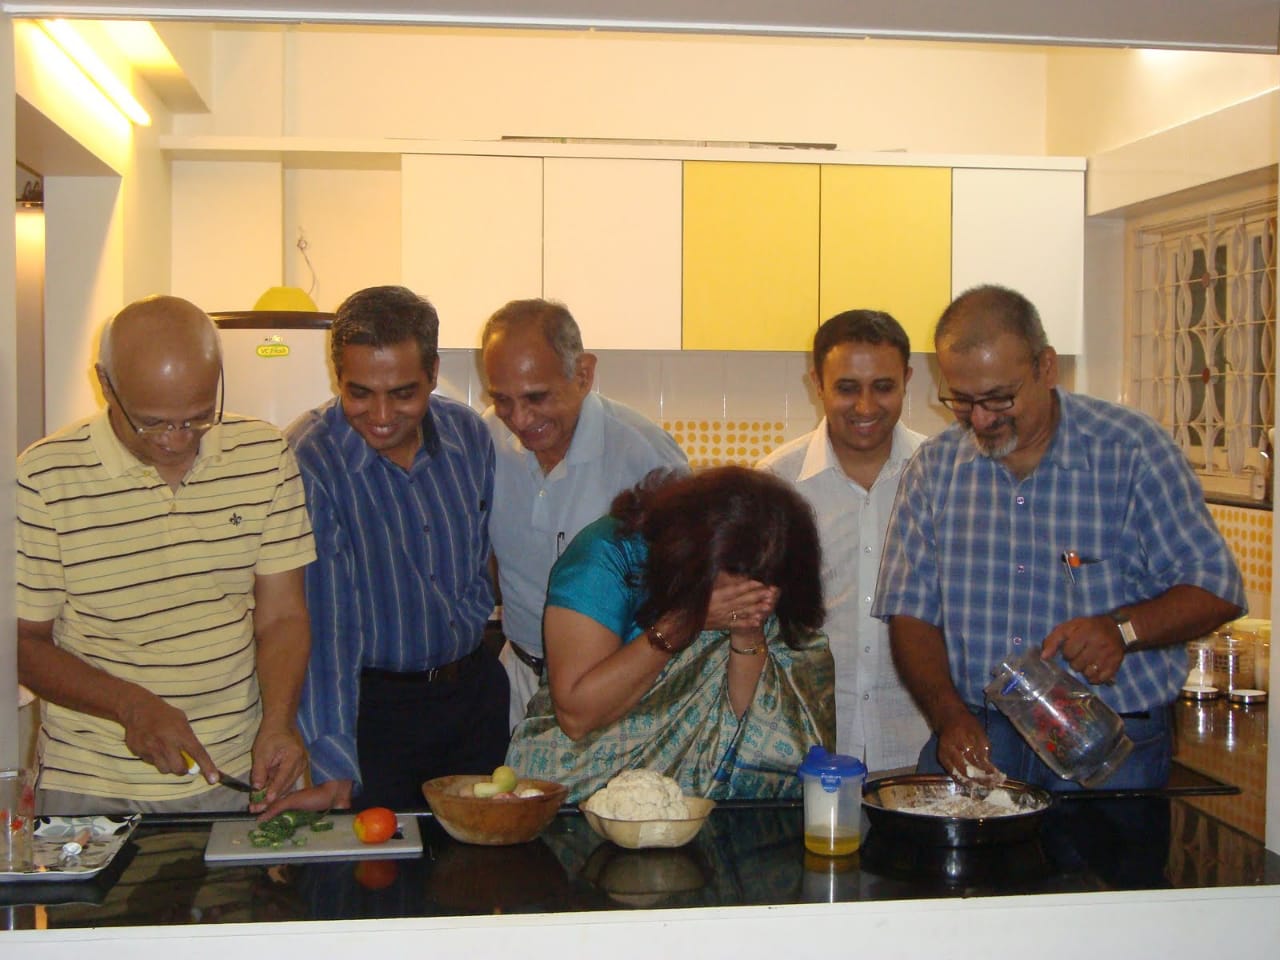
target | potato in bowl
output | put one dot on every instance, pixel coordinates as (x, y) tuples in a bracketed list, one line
[(494, 820)]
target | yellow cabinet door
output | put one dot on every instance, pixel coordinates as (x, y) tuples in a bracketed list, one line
[(886, 244), (750, 256)]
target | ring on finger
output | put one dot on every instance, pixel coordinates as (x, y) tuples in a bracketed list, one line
[(733, 616)]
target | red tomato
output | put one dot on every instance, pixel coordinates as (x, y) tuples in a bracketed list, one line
[(375, 825)]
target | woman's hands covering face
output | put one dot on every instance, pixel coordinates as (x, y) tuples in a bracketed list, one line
[(739, 603)]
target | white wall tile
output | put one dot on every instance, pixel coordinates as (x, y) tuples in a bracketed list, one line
[(921, 411), (804, 409), (755, 386), (633, 377), (693, 385), (460, 377)]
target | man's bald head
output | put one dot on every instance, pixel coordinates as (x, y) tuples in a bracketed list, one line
[(159, 338), (980, 315)]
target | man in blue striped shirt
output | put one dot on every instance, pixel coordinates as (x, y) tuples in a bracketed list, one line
[(1044, 518), (399, 485)]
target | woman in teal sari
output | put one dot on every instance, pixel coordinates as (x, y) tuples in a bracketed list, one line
[(681, 636)]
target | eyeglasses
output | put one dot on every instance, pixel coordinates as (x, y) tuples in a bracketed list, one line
[(996, 404), (152, 431)]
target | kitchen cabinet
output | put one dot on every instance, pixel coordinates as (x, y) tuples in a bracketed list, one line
[(611, 249), (750, 255), (702, 248), (1024, 229), (471, 236), (885, 244)]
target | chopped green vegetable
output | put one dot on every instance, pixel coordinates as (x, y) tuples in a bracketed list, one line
[(258, 796), (283, 826)]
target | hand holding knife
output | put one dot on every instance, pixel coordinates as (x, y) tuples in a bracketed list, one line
[(223, 778)]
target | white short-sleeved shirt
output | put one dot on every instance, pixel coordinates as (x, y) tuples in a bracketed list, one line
[(874, 712)]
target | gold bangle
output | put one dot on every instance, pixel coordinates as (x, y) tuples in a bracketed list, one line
[(659, 642), (749, 651)]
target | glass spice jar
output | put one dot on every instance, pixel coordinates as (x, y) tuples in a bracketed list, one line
[(1233, 660)]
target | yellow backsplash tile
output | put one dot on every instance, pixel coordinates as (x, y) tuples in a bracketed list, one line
[(714, 443), (1248, 534)]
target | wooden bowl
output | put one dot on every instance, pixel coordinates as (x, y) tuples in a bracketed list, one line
[(644, 834), (491, 821)]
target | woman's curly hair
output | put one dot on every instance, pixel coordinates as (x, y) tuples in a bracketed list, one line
[(725, 519)]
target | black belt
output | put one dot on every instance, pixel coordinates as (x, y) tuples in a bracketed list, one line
[(448, 673), (528, 659)]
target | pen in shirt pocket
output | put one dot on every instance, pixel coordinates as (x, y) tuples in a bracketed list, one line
[(1071, 561), (559, 544)]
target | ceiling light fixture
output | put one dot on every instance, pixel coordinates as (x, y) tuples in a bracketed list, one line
[(74, 46)]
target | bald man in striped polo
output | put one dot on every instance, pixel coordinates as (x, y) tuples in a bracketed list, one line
[(160, 555)]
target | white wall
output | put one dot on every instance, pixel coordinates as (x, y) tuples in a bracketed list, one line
[(354, 82), (29, 319), (1102, 99), (9, 747)]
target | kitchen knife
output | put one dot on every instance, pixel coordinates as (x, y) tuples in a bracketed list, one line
[(223, 778)]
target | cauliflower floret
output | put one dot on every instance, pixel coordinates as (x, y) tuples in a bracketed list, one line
[(639, 795)]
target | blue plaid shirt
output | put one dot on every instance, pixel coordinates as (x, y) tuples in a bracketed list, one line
[(401, 580), (975, 551)]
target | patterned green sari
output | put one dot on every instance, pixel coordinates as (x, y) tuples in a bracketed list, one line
[(685, 727)]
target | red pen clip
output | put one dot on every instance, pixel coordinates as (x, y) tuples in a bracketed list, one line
[(1071, 560)]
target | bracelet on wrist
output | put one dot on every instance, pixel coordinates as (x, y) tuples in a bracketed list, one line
[(746, 651), (659, 642)]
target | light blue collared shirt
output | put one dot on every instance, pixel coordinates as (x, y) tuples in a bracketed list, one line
[(536, 514)]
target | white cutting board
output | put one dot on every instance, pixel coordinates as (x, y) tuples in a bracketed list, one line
[(229, 843)]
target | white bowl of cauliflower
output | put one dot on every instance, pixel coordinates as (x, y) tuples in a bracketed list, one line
[(643, 808)]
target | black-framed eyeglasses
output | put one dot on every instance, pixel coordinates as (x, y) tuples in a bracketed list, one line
[(995, 404), (153, 430)]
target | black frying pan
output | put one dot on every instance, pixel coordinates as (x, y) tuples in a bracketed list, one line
[(884, 799)]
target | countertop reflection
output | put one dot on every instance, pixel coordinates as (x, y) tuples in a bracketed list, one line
[(747, 855)]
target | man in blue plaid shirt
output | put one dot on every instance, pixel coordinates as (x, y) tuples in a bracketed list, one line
[(1046, 518)]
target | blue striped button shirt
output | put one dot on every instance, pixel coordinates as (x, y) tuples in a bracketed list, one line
[(977, 552), (401, 581)]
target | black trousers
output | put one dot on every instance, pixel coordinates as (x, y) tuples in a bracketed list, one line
[(410, 729)]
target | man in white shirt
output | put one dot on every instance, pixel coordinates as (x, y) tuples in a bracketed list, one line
[(848, 470), (563, 453)]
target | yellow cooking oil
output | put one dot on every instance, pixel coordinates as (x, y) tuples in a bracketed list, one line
[(838, 843)]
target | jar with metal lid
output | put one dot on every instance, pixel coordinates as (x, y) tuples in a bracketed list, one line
[(1200, 663), (1233, 659)]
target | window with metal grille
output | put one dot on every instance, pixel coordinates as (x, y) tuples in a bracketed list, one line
[(1202, 338)]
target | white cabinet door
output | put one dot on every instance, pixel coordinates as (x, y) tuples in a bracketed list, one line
[(612, 249), (470, 236), (1024, 229)]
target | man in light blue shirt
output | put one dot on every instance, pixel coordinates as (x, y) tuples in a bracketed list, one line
[(1044, 519), (563, 453)]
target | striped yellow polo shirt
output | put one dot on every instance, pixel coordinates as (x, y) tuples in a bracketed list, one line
[(155, 586)]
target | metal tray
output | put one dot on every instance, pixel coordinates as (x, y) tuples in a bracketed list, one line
[(106, 836)]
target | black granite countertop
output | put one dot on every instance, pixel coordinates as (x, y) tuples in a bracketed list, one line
[(749, 854)]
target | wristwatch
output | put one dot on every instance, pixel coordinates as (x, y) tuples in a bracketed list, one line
[(1127, 633)]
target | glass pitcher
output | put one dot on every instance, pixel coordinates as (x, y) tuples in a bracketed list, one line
[(1077, 735)]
